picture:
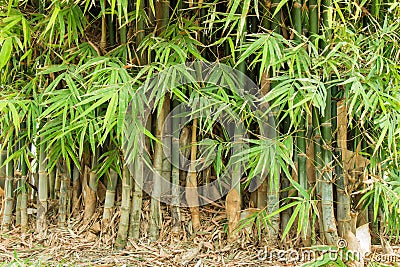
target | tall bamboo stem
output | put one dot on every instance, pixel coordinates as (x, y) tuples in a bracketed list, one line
[(8, 192), (175, 210), (134, 227), (24, 195), (192, 196), (76, 189), (123, 226), (65, 181), (110, 197), (103, 39), (90, 188), (52, 182), (41, 222), (328, 215), (155, 212), (343, 199)]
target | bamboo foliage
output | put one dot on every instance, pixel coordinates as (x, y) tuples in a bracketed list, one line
[(66, 86)]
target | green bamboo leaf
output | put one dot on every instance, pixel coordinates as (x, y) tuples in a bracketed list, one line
[(279, 7), (53, 18), (5, 53), (291, 220), (91, 137), (14, 115)]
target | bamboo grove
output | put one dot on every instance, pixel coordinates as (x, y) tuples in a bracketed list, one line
[(329, 71)]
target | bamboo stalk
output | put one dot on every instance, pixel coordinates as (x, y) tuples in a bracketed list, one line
[(123, 35), (328, 215), (52, 182), (298, 27), (57, 184), (110, 197), (123, 226), (8, 192), (134, 227), (103, 39), (17, 176), (162, 15), (343, 199), (314, 21), (63, 200), (285, 184), (175, 210), (155, 213), (76, 190), (111, 30), (140, 33), (167, 143), (301, 136), (90, 188), (314, 30), (3, 158), (41, 221), (18, 201), (192, 195), (24, 195)]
